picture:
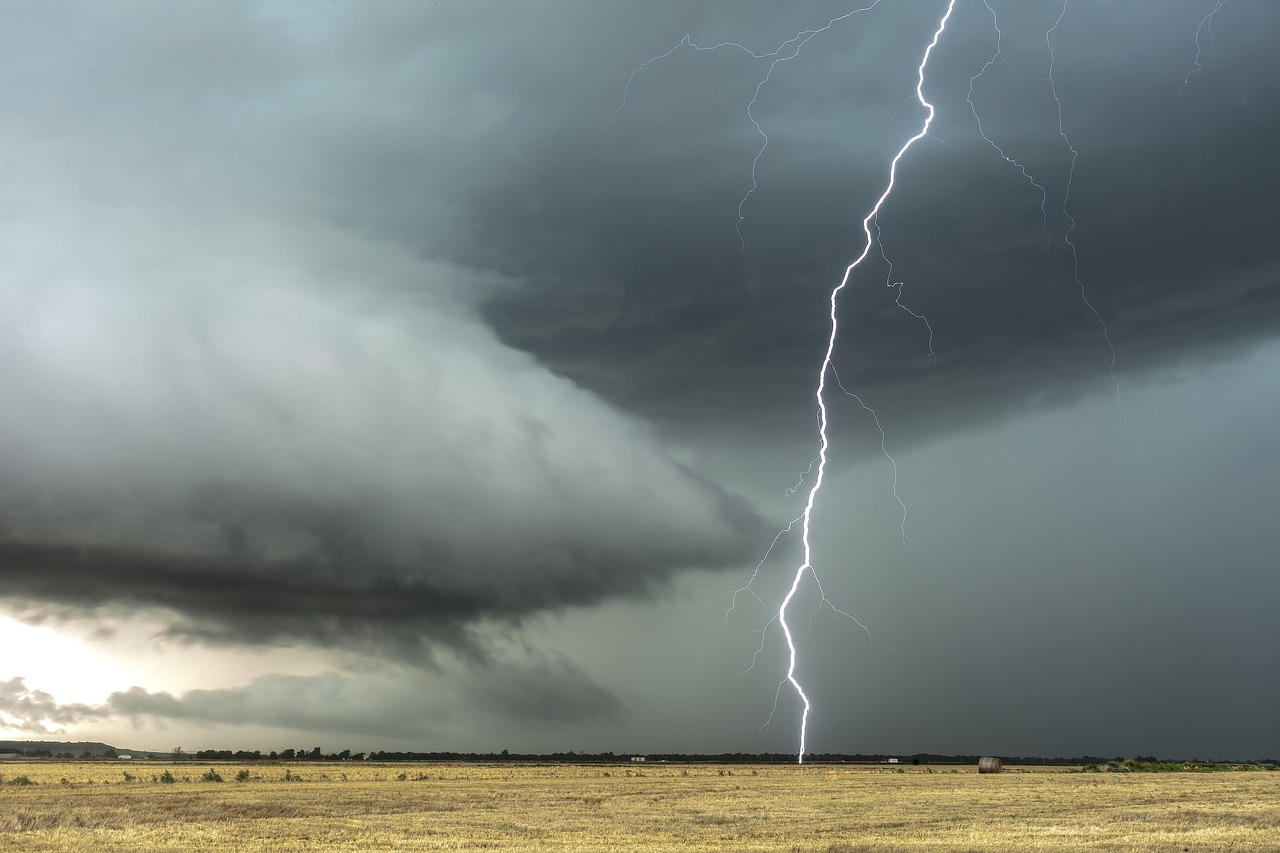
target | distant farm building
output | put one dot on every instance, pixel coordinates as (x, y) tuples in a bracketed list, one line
[(637, 758)]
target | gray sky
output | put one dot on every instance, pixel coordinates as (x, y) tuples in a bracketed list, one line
[(377, 375)]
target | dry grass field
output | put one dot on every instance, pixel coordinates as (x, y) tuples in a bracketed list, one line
[(76, 806)]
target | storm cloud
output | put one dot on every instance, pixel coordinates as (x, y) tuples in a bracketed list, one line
[(224, 405), (394, 328), (259, 440)]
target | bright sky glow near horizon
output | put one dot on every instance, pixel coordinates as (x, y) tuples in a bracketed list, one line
[(367, 385)]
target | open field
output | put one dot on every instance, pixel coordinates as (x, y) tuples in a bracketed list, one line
[(840, 809)]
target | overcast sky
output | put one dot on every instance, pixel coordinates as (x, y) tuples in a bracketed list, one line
[(435, 376)]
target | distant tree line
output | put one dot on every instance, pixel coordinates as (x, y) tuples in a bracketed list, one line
[(315, 753), (47, 753)]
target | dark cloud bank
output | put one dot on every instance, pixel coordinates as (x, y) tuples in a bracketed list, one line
[(630, 241)]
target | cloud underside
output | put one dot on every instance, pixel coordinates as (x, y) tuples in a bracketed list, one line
[(229, 603)]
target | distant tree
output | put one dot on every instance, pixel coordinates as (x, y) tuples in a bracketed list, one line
[(214, 754), (177, 752), (110, 753), (315, 754), (288, 755), (344, 755), (274, 754), (86, 754)]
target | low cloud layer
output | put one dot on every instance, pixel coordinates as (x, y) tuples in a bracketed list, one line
[(388, 704), (32, 711)]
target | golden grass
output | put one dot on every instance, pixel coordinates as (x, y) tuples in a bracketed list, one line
[(368, 806)]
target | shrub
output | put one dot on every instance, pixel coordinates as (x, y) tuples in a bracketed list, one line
[(167, 778), (20, 780), (243, 775), (211, 776)]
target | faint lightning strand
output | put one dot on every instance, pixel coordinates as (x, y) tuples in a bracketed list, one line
[(824, 601), (1206, 26), (791, 490), (906, 540), (800, 40), (1066, 238), (876, 132), (898, 285), (1044, 195), (793, 45), (626, 89), (823, 442), (897, 300), (747, 587)]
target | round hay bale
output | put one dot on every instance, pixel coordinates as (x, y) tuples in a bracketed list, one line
[(989, 764)]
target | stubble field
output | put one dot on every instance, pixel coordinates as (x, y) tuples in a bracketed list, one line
[(837, 809)]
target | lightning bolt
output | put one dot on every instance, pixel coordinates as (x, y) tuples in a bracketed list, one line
[(788, 50), (815, 473), (806, 566)]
